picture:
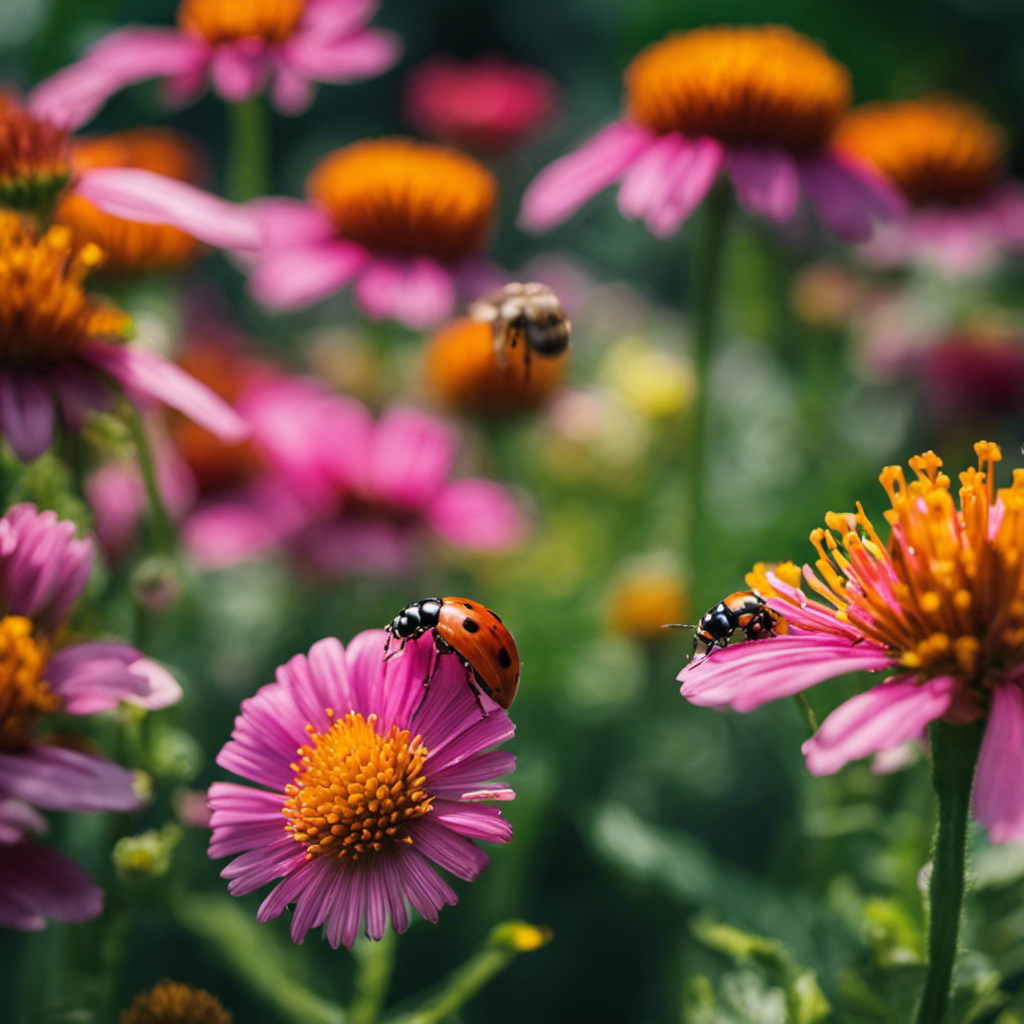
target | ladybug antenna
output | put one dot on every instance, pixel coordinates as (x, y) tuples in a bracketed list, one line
[(679, 625)]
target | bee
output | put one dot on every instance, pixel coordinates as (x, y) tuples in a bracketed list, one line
[(528, 314)]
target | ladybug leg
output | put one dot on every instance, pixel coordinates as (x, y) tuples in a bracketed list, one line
[(475, 689), (387, 644)]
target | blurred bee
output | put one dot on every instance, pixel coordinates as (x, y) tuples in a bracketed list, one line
[(524, 314)]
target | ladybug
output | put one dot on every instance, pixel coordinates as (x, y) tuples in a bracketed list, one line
[(746, 610), (473, 633)]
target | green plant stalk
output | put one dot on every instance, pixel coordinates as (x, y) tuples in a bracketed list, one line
[(955, 751), (248, 167), (375, 962), (163, 527), (707, 291)]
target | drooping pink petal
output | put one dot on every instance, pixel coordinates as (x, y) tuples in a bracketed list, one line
[(412, 455), (17, 819), (294, 278), (147, 375), (75, 94), (766, 181), (999, 786), (651, 176), (151, 198), (478, 514), (65, 780), (290, 92), (26, 413), (694, 175), (747, 675), (289, 222), (38, 884), (239, 69), (228, 532), (328, 19), (417, 292), (564, 186), (342, 59)]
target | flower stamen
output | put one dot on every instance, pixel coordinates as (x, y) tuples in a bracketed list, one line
[(25, 698), (224, 21)]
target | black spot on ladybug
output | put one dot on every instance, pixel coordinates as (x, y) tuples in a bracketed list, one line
[(496, 617), (466, 604), (470, 625), (504, 658)]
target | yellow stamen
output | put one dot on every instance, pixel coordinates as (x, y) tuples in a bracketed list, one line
[(224, 21), (355, 790), (25, 698), (741, 84)]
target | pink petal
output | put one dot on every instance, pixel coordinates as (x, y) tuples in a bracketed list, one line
[(328, 19), (290, 92), (748, 674), (147, 375), (26, 413), (156, 199), (411, 458), (239, 69), (294, 278), (66, 780), (881, 718), (18, 818), (417, 292), (289, 222), (225, 533), (563, 187), (766, 181), (999, 786), (650, 177), (694, 175), (478, 514), (39, 884), (75, 94), (348, 59)]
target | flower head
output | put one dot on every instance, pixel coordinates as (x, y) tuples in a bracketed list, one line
[(237, 46), (407, 220), (940, 604), (35, 158), (949, 160), (759, 102), (170, 1002), (367, 781)]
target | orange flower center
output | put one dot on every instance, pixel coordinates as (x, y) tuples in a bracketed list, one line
[(740, 84), (643, 600), (45, 314), (24, 697), (132, 248), (223, 21), (406, 198), (35, 161), (947, 592), (935, 150), (355, 790), (170, 1002)]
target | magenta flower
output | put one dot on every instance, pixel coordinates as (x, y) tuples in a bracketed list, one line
[(406, 222), (367, 782), (235, 47), (759, 103), (937, 607), (489, 104)]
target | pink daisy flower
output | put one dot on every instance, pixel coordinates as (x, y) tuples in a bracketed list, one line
[(62, 349), (488, 104), (949, 160), (937, 607), (407, 222), (39, 167), (367, 781), (235, 47), (757, 103)]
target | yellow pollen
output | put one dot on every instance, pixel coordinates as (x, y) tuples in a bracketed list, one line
[(130, 247), (935, 150), (223, 21), (170, 1002), (45, 313), (355, 790), (740, 84), (24, 696), (405, 198)]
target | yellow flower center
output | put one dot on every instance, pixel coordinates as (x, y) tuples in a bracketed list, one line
[(355, 790), (35, 160), (740, 84), (24, 696), (45, 314), (131, 248), (406, 198), (947, 593), (936, 150), (170, 1002), (223, 21)]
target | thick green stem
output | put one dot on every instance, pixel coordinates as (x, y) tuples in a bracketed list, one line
[(706, 308), (163, 527), (954, 757), (375, 962), (248, 170)]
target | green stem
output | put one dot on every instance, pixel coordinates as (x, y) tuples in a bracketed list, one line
[(954, 757), (163, 527), (807, 712), (706, 310), (248, 168), (375, 962)]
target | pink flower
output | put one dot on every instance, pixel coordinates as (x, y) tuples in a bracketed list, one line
[(759, 103), (336, 728), (237, 48), (937, 607), (406, 222), (488, 104)]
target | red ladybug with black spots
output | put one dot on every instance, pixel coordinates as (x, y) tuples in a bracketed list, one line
[(470, 631)]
